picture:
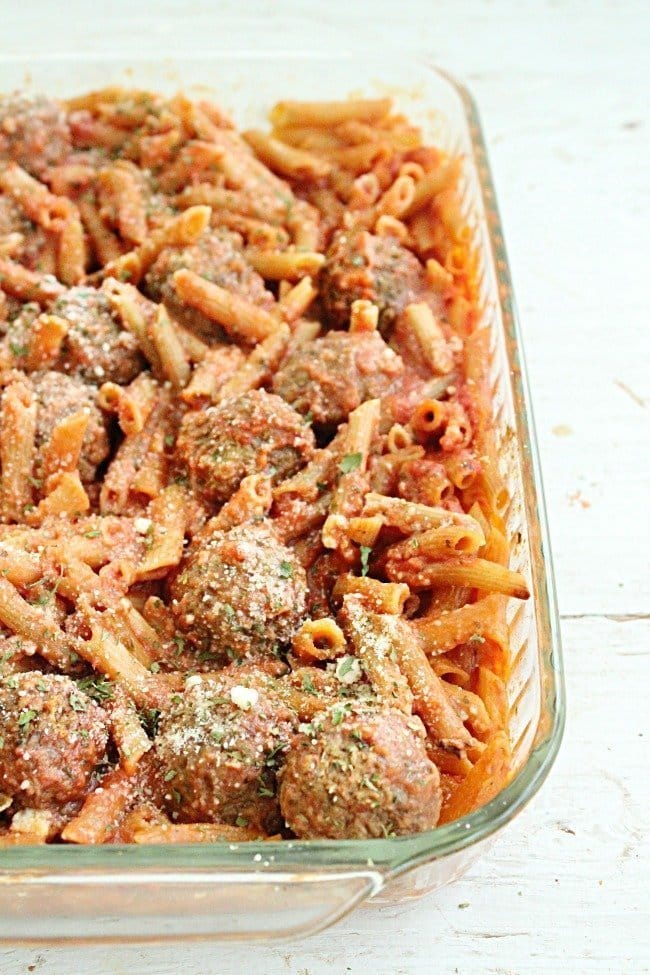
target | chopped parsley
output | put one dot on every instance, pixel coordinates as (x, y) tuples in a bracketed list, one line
[(92, 534), (99, 688), (365, 556), (77, 703), (170, 774), (308, 685), (241, 821), (273, 754), (286, 570), (476, 638), (350, 462), (149, 718), (344, 666), (26, 717), (18, 350)]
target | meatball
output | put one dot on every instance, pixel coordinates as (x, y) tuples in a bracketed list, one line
[(360, 772), (96, 347), (331, 376), (254, 433), (216, 753), (379, 269), (238, 594), (33, 132), (58, 396), (52, 736), (216, 256)]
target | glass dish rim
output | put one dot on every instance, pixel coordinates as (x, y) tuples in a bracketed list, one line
[(394, 854)]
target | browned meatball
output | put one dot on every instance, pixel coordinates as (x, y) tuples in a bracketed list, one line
[(33, 132), (252, 434), (216, 256), (96, 347), (217, 750), (379, 269), (360, 772), (332, 375), (52, 735), (239, 594), (59, 396)]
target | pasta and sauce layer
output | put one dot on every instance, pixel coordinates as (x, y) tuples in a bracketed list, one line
[(253, 564)]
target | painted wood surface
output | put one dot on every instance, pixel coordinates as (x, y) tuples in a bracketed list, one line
[(563, 92)]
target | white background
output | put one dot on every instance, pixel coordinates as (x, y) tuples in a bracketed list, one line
[(563, 88)]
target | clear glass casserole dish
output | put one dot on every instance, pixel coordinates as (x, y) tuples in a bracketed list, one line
[(289, 889)]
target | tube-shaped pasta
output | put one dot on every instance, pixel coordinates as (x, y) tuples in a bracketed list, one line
[(34, 198), (486, 778), (462, 571), (238, 316), (320, 639), (26, 285), (180, 231), (297, 300), (17, 433), (251, 500), (475, 621), (410, 516), (364, 316), (211, 373), (397, 198), (439, 542), (260, 363), (63, 450), (433, 183), (329, 113), (101, 809), (171, 354), (380, 597), (45, 339), (428, 417), (430, 336), (289, 265), (168, 519), (374, 638), (287, 160)]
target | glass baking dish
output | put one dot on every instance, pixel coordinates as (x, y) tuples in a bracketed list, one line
[(290, 889)]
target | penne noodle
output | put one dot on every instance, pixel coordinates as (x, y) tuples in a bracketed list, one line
[(287, 160), (26, 285), (377, 596), (252, 500), (320, 639), (290, 265), (329, 113), (101, 810), (167, 518), (238, 316), (45, 340), (463, 571), (374, 640), (180, 231), (169, 348), (17, 445)]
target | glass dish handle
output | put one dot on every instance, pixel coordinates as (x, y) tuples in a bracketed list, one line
[(143, 906)]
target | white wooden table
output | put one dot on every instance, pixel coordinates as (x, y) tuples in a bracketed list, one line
[(564, 99)]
